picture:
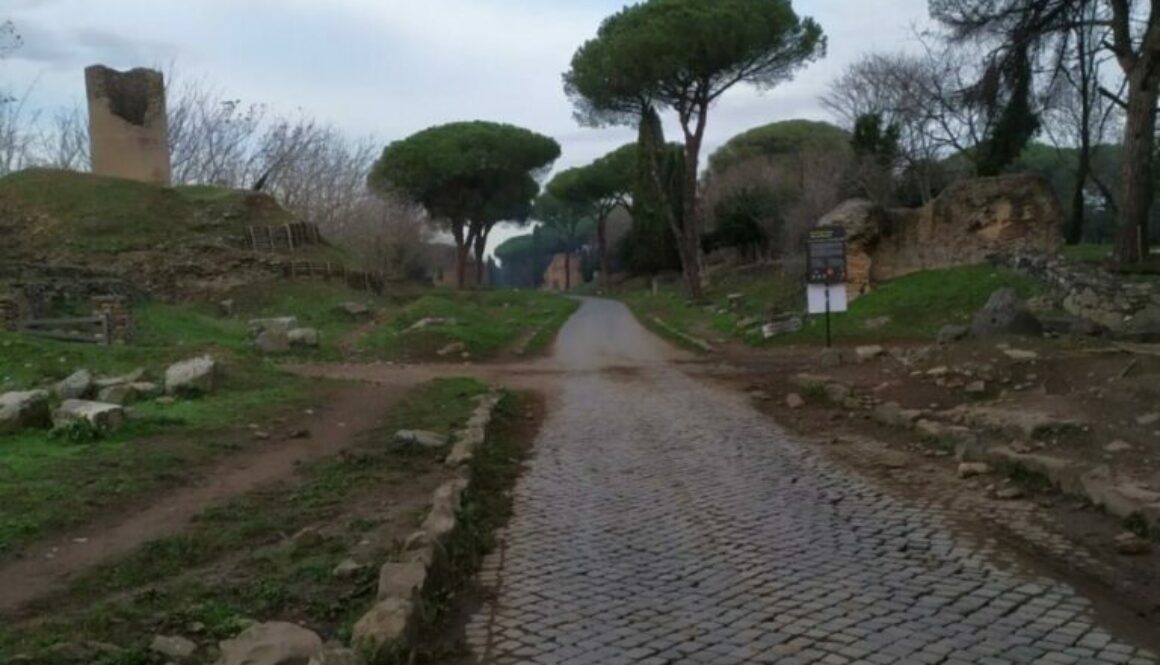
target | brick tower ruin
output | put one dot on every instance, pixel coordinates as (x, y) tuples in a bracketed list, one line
[(127, 124)]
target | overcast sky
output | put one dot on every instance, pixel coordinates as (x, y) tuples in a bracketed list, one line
[(388, 68)]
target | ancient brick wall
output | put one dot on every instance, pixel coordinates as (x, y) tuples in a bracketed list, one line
[(128, 127), (969, 222)]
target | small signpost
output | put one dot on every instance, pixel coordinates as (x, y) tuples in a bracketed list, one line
[(826, 289)]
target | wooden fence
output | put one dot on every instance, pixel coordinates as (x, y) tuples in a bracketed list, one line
[(287, 237), (88, 329), (325, 270)]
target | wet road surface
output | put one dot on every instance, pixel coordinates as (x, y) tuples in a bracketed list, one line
[(663, 520)]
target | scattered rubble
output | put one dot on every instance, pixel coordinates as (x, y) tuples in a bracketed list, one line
[(100, 416), (274, 643), (191, 377), (23, 410), (175, 648)]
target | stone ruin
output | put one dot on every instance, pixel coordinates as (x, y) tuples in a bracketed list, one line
[(971, 221), (128, 127)]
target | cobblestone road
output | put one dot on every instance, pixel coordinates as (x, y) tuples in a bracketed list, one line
[(665, 521)]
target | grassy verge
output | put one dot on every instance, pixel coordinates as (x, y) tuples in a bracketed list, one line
[(487, 507), (237, 562), (542, 340), (484, 322), (48, 483), (914, 307)]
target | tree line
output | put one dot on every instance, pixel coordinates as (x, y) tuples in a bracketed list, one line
[(995, 82)]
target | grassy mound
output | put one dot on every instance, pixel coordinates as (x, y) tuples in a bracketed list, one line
[(53, 212)]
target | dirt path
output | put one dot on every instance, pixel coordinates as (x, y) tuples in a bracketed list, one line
[(47, 566)]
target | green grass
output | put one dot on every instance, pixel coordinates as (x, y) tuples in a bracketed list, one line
[(93, 214), (65, 214), (487, 507), (918, 305), (49, 483), (235, 561), (1088, 252), (485, 322)]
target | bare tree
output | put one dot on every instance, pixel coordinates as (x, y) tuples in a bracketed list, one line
[(1042, 29), (64, 142), (924, 96), (1079, 116), (18, 136), (386, 233)]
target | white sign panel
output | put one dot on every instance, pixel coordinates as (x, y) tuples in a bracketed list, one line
[(816, 294)]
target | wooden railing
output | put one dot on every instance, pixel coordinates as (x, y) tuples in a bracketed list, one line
[(87, 329), (287, 237), (326, 270)]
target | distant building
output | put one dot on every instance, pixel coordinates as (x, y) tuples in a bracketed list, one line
[(556, 276)]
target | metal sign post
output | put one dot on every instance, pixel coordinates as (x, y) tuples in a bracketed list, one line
[(827, 273)]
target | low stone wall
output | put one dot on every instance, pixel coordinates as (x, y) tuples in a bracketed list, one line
[(1092, 293), (385, 629)]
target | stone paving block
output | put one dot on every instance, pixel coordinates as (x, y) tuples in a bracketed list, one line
[(662, 520)]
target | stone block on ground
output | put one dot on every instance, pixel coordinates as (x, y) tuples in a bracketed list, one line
[(23, 410), (175, 648), (347, 568), (77, 385), (283, 324), (451, 349), (1005, 314), (101, 416), (273, 643), (380, 628), (423, 324), (420, 438), (952, 333), (794, 401), (869, 352), (272, 341), (401, 580), (135, 376), (121, 394), (191, 377), (355, 308), (444, 506), (304, 337), (972, 469)]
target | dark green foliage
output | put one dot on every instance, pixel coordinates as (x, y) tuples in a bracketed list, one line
[(1017, 121), (874, 141), (665, 51), (476, 173), (778, 138), (463, 170), (658, 202), (740, 221)]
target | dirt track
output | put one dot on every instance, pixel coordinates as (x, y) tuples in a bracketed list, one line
[(47, 566)]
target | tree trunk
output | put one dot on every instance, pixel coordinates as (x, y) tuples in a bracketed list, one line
[(1074, 234), (567, 271), (460, 255), (480, 248), (689, 239), (602, 247), (1136, 191)]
